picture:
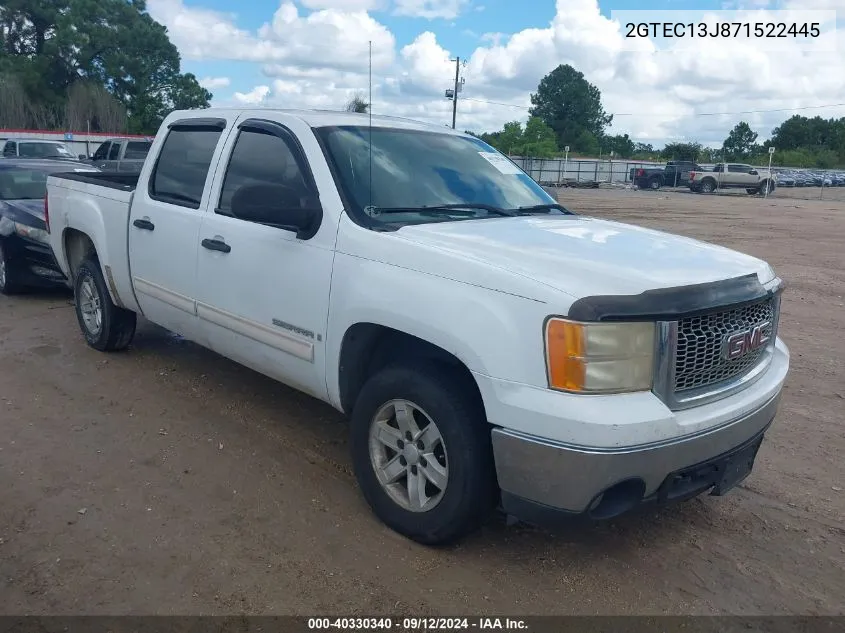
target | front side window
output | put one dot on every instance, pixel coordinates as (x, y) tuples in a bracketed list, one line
[(413, 169), (261, 158), (114, 151), (10, 149), (102, 151), (182, 166)]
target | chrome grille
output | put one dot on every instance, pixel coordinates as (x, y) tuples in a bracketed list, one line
[(699, 359)]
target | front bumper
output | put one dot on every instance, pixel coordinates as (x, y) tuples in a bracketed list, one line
[(540, 478), (32, 263), (612, 453)]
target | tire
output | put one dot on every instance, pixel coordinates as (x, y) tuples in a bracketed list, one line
[(105, 326), (655, 183), (752, 192), (7, 284), (763, 185), (464, 452), (708, 185)]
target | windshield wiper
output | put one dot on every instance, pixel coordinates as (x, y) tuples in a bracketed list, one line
[(543, 207), (440, 208)]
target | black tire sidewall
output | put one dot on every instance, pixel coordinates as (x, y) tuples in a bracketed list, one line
[(89, 269), (470, 493), (10, 286)]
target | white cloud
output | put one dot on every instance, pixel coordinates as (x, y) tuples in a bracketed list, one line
[(344, 5), (214, 82), (319, 59), (430, 9), (329, 37), (254, 96)]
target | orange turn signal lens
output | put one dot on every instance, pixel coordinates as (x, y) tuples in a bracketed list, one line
[(565, 347)]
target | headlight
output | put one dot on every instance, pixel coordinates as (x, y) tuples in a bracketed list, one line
[(39, 235), (599, 357)]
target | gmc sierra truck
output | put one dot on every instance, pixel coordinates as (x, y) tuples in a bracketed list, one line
[(490, 347), (733, 176)]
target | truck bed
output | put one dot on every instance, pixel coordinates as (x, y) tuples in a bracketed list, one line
[(124, 181), (97, 205)]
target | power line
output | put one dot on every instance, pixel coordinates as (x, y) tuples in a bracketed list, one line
[(829, 105)]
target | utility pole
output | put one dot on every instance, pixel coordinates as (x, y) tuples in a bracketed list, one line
[(455, 96)]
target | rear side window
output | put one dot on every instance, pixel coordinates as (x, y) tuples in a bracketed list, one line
[(182, 166), (10, 149), (260, 158), (114, 151), (137, 149)]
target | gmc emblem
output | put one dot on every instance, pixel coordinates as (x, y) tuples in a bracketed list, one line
[(739, 344)]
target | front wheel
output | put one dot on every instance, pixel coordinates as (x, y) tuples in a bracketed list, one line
[(422, 453), (8, 286), (105, 326)]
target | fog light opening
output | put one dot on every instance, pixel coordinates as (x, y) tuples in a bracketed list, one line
[(617, 499)]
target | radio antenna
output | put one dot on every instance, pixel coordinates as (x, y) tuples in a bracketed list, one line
[(370, 127)]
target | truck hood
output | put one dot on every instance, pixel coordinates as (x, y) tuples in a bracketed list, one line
[(584, 256)]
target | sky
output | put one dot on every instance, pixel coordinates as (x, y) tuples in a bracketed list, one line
[(316, 54)]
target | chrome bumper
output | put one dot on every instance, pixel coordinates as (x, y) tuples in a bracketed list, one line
[(569, 478)]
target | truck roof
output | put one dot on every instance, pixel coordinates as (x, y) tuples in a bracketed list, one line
[(320, 118)]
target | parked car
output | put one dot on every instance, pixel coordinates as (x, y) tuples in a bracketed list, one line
[(25, 255), (489, 345), (733, 176), (121, 154), (674, 174), (38, 148)]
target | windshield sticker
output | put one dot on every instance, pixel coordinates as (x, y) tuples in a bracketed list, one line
[(500, 162)]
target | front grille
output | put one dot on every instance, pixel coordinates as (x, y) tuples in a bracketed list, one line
[(699, 359)]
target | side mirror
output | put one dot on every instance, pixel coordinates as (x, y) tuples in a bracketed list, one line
[(82, 157), (279, 206), (753, 172)]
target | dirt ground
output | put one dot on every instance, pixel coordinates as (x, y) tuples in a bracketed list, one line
[(168, 480)]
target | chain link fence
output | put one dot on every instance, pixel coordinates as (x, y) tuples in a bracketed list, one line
[(791, 182)]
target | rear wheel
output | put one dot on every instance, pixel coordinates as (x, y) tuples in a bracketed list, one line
[(105, 326), (708, 185), (767, 186), (655, 182), (752, 192), (8, 286), (422, 452)]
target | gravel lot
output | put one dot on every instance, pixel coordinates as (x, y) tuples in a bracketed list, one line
[(169, 480)]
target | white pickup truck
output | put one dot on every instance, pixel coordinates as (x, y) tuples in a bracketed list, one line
[(490, 347)]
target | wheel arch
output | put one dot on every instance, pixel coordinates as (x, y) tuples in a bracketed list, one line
[(368, 347)]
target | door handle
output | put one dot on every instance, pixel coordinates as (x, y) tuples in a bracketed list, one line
[(144, 224), (216, 245)]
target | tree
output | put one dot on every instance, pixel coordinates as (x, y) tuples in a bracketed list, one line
[(570, 105), (357, 104), (538, 139), (621, 145), (586, 143), (682, 151), (51, 44), (740, 143)]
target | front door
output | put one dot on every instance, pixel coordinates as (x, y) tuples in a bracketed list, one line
[(263, 290), (165, 223)]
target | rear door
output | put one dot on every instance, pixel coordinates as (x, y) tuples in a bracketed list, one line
[(165, 218), (263, 290), (739, 176)]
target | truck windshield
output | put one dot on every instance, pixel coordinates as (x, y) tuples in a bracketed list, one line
[(412, 173)]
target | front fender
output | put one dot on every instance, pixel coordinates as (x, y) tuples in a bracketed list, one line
[(491, 333)]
